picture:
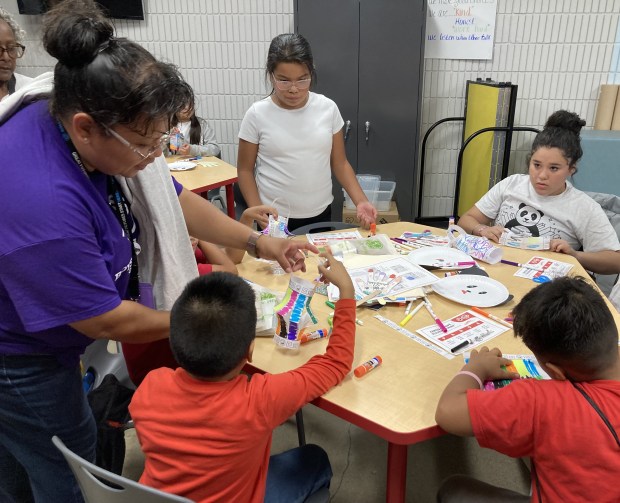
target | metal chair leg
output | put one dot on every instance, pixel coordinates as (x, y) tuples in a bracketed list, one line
[(301, 432)]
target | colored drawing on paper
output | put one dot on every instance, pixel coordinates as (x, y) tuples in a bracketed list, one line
[(294, 313), (389, 278), (525, 365)]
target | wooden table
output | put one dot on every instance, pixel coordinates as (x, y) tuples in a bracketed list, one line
[(210, 173), (396, 401)]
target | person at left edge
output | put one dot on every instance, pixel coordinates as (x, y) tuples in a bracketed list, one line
[(12, 48), (68, 270)]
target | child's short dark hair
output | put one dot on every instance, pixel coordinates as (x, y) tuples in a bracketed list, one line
[(567, 319), (212, 324)]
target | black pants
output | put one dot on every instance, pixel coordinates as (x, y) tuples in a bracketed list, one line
[(325, 216)]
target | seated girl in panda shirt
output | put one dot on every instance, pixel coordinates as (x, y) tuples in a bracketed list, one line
[(544, 203)]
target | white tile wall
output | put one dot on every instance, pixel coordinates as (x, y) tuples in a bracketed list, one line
[(557, 51)]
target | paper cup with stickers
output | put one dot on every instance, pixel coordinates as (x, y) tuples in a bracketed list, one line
[(476, 247), (479, 248), (294, 314)]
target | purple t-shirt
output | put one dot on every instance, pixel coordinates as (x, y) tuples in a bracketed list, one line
[(63, 256)]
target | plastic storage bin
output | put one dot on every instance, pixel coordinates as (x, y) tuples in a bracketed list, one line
[(370, 186), (380, 198)]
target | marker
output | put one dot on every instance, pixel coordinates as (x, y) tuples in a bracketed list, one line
[(411, 314), (373, 229), (196, 158), (460, 346), (330, 304), (321, 333), (526, 266), (489, 315), (429, 308), (409, 306), (366, 367)]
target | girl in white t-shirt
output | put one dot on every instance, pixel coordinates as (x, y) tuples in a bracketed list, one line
[(544, 203), (292, 141)]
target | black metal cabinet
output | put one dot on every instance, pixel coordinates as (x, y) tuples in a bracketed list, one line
[(369, 60)]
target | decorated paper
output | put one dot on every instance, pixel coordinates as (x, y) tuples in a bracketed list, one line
[(294, 313)]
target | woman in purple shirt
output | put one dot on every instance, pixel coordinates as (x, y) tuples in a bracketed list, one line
[(68, 268)]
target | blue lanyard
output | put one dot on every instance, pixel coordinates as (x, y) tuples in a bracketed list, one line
[(120, 206)]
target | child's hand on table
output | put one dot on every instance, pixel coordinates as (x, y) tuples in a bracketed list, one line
[(488, 364)]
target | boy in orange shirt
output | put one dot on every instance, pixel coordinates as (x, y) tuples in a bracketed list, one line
[(205, 428), (569, 425)]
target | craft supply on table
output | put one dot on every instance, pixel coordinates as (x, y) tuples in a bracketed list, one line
[(460, 346), (320, 333), (474, 246), (513, 240), (181, 166), (414, 337), (466, 326), (537, 267), (429, 308), (491, 316), (442, 257), (472, 290), (411, 314), (366, 367)]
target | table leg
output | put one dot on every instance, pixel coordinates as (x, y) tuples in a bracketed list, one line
[(397, 473), (230, 201)]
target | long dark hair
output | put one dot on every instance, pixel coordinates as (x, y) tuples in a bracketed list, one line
[(289, 48), (561, 131), (114, 80), (195, 130)]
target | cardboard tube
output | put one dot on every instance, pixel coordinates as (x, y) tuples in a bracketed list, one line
[(605, 108), (615, 122)]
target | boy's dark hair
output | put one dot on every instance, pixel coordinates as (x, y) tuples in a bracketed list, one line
[(561, 131), (567, 321), (114, 80), (212, 324)]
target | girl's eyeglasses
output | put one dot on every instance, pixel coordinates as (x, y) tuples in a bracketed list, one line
[(285, 85)]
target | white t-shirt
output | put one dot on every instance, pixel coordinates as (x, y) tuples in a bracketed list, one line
[(572, 215), (294, 149)]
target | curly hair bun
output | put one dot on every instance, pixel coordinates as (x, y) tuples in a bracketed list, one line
[(74, 31), (566, 120)]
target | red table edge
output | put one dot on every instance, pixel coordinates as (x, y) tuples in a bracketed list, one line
[(230, 200)]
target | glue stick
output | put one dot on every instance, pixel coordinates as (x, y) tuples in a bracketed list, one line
[(366, 367), (316, 334)]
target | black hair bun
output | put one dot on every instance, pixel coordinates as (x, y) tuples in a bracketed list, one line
[(74, 31), (566, 120)]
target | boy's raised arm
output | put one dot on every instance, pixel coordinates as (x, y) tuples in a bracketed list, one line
[(452, 412)]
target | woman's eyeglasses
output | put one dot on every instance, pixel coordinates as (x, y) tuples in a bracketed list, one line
[(14, 51), (160, 145), (285, 85)]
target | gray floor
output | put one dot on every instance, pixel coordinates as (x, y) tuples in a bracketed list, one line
[(359, 460)]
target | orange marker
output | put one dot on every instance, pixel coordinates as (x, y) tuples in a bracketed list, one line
[(373, 230), (366, 367)]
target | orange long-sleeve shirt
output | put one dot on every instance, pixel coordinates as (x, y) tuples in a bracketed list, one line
[(210, 441)]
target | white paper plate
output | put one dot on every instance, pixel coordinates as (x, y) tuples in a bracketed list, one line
[(435, 256), (472, 290), (181, 165)]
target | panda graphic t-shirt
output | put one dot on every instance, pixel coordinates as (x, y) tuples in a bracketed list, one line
[(572, 215)]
